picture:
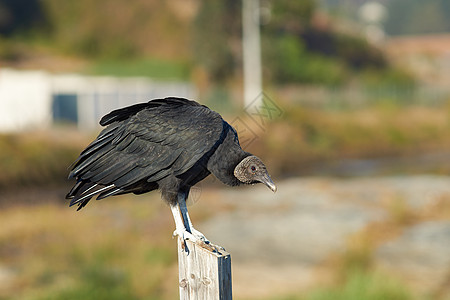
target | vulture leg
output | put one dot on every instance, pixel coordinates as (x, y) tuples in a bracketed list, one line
[(188, 222), (183, 224), (184, 228), (180, 229)]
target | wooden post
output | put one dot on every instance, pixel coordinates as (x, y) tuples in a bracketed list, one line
[(203, 274)]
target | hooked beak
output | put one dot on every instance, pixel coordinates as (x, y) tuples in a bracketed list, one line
[(268, 182)]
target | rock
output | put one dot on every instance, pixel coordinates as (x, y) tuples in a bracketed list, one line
[(310, 219), (303, 223), (421, 255)]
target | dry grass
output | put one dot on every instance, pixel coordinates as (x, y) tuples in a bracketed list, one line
[(292, 145), (356, 263), (110, 251), (37, 158), (118, 250), (304, 137)]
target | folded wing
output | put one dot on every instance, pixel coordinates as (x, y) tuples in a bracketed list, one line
[(142, 144)]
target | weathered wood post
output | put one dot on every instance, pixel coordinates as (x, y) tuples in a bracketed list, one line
[(203, 274)]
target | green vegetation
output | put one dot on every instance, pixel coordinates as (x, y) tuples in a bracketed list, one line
[(217, 26), (112, 251), (99, 30), (356, 286), (300, 139), (154, 68), (304, 137), (168, 41), (27, 160), (113, 29), (121, 250), (96, 282), (299, 65), (298, 50)]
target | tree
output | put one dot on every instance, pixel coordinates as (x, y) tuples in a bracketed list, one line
[(217, 37), (20, 16)]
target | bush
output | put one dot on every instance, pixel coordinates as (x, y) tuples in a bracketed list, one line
[(289, 62), (27, 161)]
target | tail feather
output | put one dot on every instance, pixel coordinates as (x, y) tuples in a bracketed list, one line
[(110, 192), (84, 191), (80, 188)]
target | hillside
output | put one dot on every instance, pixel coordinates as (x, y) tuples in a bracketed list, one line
[(196, 39)]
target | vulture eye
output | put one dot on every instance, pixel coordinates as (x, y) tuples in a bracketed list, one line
[(253, 168)]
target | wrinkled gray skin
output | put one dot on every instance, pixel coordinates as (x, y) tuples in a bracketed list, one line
[(252, 170)]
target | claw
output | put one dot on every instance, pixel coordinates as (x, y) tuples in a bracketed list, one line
[(198, 238), (186, 235), (199, 235), (185, 231)]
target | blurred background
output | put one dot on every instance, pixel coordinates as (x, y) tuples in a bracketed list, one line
[(349, 107)]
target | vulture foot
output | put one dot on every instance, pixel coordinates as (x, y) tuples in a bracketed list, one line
[(198, 238)]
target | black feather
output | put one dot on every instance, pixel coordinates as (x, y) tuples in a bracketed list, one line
[(170, 144)]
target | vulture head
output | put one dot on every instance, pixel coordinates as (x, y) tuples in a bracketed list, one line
[(252, 170)]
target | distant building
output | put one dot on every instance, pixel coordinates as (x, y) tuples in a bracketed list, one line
[(38, 99)]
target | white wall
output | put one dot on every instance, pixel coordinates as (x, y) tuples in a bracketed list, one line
[(25, 100), (26, 97)]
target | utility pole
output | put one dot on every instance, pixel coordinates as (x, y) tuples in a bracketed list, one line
[(252, 53)]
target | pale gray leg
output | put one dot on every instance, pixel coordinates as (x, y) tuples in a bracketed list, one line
[(180, 229), (188, 222), (184, 228)]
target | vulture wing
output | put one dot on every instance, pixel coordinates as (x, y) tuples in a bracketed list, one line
[(144, 143)]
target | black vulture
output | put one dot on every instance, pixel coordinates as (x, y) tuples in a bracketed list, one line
[(167, 144)]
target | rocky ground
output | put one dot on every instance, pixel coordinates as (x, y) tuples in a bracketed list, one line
[(283, 241)]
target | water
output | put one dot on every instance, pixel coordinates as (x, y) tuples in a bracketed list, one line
[(438, 163)]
